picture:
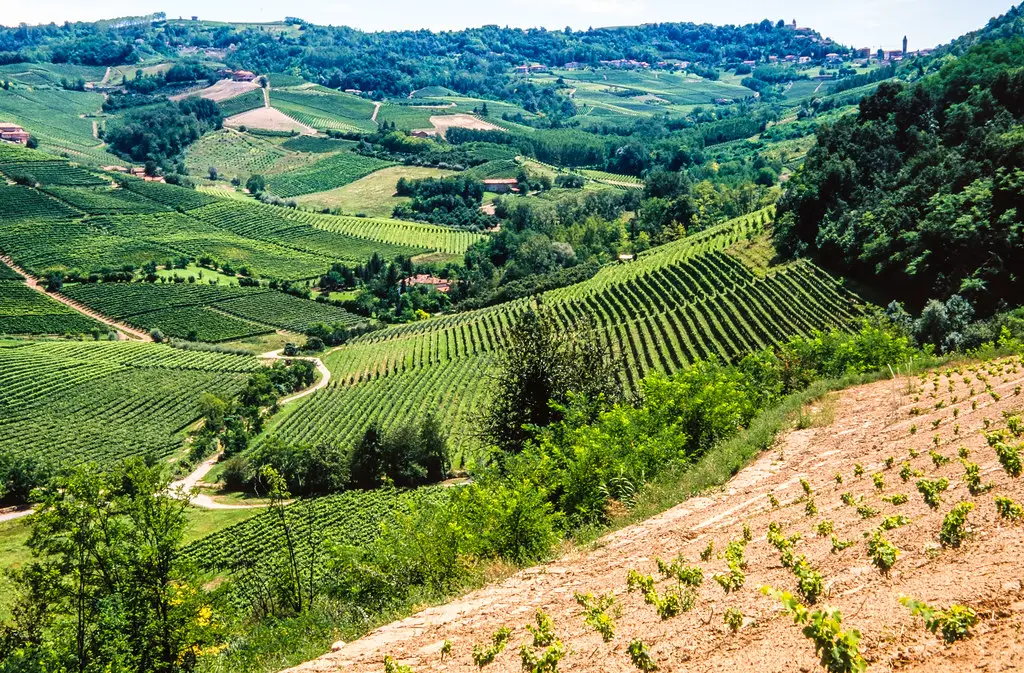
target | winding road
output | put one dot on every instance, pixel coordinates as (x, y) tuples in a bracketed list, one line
[(190, 482)]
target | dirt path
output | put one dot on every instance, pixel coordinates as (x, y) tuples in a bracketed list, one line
[(872, 422), (12, 513), (376, 109), (266, 96), (33, 283), (190, 482)]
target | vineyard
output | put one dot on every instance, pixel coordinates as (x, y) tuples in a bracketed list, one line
[(77, 222), (101, 401), (54, 117), (238, 154), (323, 109), (332, 171), (853, 540), (243, 103), (683, 301), (206, 312), (352, 518), (27, 311)]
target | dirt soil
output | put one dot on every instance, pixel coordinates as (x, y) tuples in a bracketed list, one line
[(444, 122), (872, 422), (268, 118), (220, 91)]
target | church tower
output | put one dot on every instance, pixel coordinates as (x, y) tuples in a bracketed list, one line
[(904, 45)]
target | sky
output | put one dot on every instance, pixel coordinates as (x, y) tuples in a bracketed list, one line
[(858, 23)]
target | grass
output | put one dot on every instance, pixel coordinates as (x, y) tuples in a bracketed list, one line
[(264, 342), (203, 522), (373, 195)]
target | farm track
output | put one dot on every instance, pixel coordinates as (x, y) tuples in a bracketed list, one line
[(32, 282), (872, 422), (204, 501)]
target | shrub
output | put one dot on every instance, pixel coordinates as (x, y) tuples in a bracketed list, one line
[(839, 545), (896, 499), (1009, 458), (547, 662), (878, 480), (953, 531), (544, 632), (810, 583), (892, 522), (484, 655), (824, 528), (972, 477)]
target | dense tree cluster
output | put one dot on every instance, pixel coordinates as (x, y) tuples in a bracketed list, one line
[(160, 134), (922, 191)]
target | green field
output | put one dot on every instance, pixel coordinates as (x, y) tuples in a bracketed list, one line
[(234, 153), (373, 195), (250, 100), (102, 401), (682, 301)]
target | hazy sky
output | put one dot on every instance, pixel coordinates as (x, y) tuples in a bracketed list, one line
[(860, 23)]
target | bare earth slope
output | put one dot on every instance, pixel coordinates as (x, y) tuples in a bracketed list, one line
[(872, 422)]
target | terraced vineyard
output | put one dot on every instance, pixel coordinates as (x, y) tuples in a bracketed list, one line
[(613, 178), (352, 518), (54, 117), (413, 234), (69, 402), (206, 312), (680, 302)]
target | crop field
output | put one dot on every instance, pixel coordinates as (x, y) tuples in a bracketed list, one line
[(50, 74), (53, 116), (324, 108), (214, 312), (351, 519), (615, 179), (330, 172), (683, 301), (317, 144), (27, 311), (372, 195), (102, 401)]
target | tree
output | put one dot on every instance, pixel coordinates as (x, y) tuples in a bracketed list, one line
[(108, 587), (213, 173), (542, 366), (256, 184)]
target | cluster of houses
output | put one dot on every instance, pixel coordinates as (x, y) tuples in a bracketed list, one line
[(501, 185), (13, 133), (529, 68), (439, 284)]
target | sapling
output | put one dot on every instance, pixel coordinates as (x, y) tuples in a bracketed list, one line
[(839, 545), (733, 619), (938, 459), (882, 552), (824, 528), (1009, 458), (747, 534), (878, 480), (930, 490), (810, 509), (963, 452), (1008, 509), (640, 657), (847, 499), (544, 632), (858, 470), (392, 666), (894, 521), (838, 478), (595, 613), (446, 649), (810, 583), (546, 662), (839, 650), (896, 499), (705, 554), (972, 477), (890, 462), (954, 624), (806, 485), (867, 512), (773, 502), (484, 655), (954, 526)]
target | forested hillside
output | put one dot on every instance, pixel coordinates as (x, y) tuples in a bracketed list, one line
[(921, 192)]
